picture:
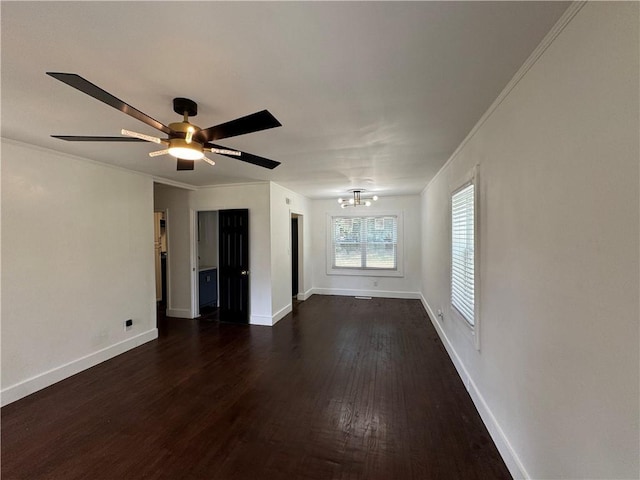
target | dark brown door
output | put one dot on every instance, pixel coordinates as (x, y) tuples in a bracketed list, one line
[(234, 265)]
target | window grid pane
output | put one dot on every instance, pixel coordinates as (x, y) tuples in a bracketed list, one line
[(462, 252), (365, 242)]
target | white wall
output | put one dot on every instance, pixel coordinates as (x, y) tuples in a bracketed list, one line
[(556, 378), (407, 286), (77, 252), (281, 248)]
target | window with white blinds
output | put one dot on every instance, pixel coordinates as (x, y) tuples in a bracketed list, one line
[(369, 242), (463, 252)]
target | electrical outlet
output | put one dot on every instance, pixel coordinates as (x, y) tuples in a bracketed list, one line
[(128, 324), (375, 283), (440, 314)]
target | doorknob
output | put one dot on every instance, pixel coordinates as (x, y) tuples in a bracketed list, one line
[(244, 272)]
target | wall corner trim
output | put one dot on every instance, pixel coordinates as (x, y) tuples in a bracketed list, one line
[(48, 378), (508, 453)]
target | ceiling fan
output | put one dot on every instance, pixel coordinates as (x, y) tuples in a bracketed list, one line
[(185, 141)]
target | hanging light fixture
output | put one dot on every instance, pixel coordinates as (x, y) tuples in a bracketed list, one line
[(357, 200)]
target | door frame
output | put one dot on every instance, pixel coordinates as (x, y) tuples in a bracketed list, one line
[(295, 255), (195, 293)]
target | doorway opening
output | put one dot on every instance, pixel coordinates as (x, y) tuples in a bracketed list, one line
[(294, 256), (297, 287), (221, 265), (160, 256), (207, 255)]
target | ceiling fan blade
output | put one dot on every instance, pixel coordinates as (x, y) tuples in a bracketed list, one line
[(141, 136), (80, 138), (249, 124), (246, 157), (85, 86), (158, 153), (184, 164)]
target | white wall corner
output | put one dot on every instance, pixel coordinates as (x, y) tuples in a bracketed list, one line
[(511, 459), (48, 378)]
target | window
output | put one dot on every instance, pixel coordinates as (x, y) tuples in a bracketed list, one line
[(364, 243), (463, 252)]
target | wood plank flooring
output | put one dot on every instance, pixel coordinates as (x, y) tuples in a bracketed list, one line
[(341, 389)]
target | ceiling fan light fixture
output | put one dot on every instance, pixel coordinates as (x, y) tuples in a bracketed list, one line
[(185, 153), (179, 148)]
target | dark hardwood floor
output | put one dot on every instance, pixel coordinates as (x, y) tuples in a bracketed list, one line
[(341, 389)]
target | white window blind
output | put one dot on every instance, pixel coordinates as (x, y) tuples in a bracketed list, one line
[(365, 242), (462, 252)]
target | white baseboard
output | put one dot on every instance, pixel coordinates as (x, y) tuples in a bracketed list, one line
[(43, 380), (179, 313), (366, 293), (270, 321), (305, 295), (283, 312), (265, 320), (509, 455)]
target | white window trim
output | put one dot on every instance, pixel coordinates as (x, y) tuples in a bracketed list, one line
[(364, 272), (472, 330)]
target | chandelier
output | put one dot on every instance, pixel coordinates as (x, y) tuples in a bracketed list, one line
[(357, 200)]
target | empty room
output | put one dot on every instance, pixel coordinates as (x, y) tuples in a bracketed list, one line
[(320, 240)]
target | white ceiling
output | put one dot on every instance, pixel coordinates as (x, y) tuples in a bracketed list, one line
[(373, 95)]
